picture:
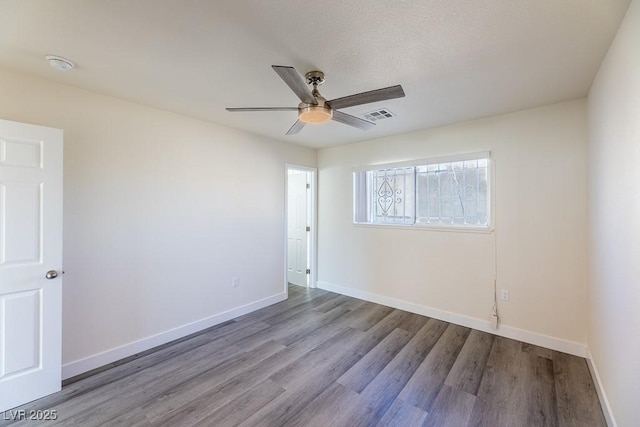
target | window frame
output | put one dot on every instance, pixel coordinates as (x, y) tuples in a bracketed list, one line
[(488, 228)]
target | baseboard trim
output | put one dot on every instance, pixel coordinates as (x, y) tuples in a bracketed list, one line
[(541, 340), (602, 396), (98, 360)]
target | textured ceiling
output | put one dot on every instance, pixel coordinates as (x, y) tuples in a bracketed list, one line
[(456, 59)]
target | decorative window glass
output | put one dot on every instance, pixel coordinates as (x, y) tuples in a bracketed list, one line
[(450, 192)]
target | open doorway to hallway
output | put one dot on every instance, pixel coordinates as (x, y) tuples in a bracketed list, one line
[(301, 229)]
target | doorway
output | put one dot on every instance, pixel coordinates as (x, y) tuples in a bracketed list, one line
[(300, 226)]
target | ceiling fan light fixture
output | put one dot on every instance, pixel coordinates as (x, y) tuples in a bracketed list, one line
[(314, 114)]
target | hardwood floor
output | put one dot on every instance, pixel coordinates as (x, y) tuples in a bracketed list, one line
[(323, 359)]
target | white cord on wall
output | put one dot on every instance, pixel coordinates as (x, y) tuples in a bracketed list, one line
[(494, 311)]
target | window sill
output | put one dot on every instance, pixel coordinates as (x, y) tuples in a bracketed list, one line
[(440, 228)]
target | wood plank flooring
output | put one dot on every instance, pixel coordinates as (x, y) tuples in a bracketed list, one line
[(323, 359)]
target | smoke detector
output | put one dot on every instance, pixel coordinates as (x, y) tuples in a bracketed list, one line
[(60, 63)]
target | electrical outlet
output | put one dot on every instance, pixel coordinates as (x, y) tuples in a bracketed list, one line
[(505, 295), (235, 281)]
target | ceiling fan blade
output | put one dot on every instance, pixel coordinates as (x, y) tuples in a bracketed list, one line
[(367, 97), (297, 127), (238, 110), (296, 82), (350, 120)]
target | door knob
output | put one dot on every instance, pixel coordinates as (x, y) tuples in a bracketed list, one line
[(51, 274)]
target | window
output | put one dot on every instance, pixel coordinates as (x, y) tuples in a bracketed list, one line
[(443, 192)]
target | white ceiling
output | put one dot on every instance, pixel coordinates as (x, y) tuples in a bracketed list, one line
[(456, 59)]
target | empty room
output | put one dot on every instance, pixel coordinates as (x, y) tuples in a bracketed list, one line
[(339, 213)]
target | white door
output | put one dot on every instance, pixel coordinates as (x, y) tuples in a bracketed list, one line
[(30, 246), (297, 228)]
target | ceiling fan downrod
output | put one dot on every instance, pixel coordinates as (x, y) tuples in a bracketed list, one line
[(315, 78)]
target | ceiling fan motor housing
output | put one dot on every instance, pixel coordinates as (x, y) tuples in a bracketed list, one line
[(319, 112)]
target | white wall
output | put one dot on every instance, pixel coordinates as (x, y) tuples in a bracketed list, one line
[(614, 221), (540, 187), (160, 211)]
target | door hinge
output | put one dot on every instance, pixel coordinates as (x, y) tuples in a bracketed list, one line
[(308, 186), (308, 271), (308, 228)]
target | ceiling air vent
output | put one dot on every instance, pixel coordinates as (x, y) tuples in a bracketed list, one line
[(380, 114)]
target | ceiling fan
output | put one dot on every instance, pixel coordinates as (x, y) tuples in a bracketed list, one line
[(316, 109)]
